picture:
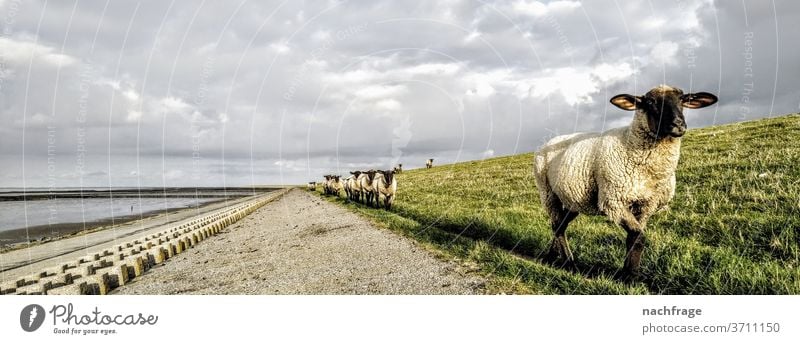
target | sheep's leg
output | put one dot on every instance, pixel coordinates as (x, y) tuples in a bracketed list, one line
[(559, 248), (634, 245)]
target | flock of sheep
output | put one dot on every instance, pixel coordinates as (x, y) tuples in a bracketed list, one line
[(368, 187)]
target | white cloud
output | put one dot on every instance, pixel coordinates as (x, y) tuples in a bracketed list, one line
[(280, 47), (133, 116), (21, 52), (665, 53), (472, 36), (381, 91), (576, 84), (389, 104), (207, 48), (431, 69), (173, 104), (606, 72), (538, 9), (321, 35), (223, 117), (131, 95)]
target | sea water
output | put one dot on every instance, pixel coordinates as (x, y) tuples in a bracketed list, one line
[(22, 214)]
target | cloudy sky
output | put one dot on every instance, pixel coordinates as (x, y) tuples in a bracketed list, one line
[(182, 93)]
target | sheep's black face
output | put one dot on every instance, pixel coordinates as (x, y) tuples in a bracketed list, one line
[(664, 112), (388, 175), (663, 108)]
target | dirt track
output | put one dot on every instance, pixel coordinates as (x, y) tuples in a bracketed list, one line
[(301, 244)]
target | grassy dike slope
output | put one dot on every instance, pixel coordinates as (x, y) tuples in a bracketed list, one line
[(733, 226)]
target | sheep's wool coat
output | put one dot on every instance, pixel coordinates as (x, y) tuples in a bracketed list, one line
[(347, 183), (355, 185), (616, 173), (335, 186), (380, 186), (365, 183)]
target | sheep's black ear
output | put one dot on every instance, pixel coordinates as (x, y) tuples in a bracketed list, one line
[(698, 100), (625, 101)]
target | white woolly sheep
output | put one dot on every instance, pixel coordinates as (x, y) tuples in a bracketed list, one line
[(346, 186), (626, 174), (336, 185), (326, 184), (355, 186), (385, 184), (365, 181), (429, 163)]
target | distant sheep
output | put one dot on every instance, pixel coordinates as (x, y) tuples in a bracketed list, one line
[(312, 186), (385, 184), (346, 186), (626, 174), (363, 186), (326, 184), (429, 163), (336, 185), (365, 182), (398, 169), (354, 185)]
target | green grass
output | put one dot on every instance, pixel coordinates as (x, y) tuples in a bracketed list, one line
[(732, 228)]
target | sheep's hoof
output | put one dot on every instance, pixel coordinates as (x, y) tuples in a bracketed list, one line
[(628, 276), (569, 264), (556, 258), (551, 257)]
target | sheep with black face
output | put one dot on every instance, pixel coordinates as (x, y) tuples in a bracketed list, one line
[(626, 174), (385, 184), (354, 185), (365, 184), (336, 185), (326, 184)]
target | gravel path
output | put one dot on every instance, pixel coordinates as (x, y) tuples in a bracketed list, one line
[(301, 244)]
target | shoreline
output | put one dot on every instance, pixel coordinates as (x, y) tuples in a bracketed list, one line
[(15, 239), (31, 195)]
